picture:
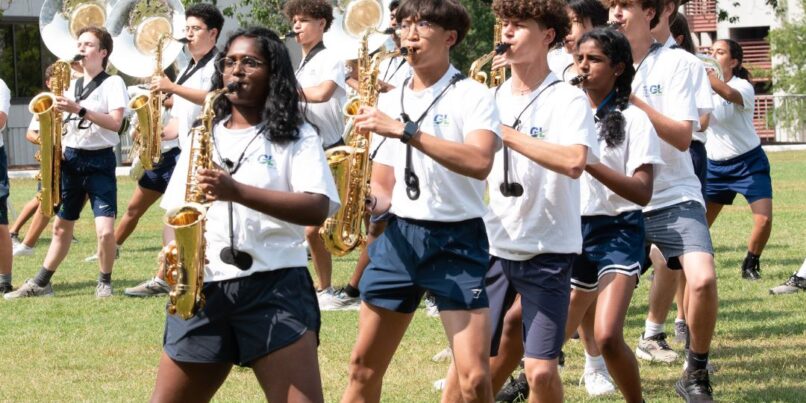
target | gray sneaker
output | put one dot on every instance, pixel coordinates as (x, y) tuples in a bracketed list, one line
[(30, 289), (655, 349), (680, 332), (103, 290), (338, 301), (149, 288), (792, 285)]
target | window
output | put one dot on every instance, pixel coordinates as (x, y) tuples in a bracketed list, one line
[(22, 58)]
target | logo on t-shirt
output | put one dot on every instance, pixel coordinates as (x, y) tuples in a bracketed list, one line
[(655, 89), (537, 132), (441, 119), (266, 160)]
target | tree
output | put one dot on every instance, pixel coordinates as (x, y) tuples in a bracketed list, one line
[(266, 13), (789, 71)]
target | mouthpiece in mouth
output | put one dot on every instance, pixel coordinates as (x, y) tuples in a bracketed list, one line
[(289, 34), (233, 86), (404, 52), (501, 48), (183, 41), (78, 58), (578, 79), (389, 31), (613, 24)]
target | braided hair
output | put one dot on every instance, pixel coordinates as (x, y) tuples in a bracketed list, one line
[(615, 46)]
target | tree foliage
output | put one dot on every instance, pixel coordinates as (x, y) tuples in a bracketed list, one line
[(789, 71)]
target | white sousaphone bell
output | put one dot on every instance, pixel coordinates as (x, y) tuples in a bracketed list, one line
[(60, 21), (351, 19)]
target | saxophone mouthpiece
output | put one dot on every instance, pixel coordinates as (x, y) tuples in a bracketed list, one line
[(233, 86), (289, 34), (183, 41), (78, 58), (501, 48), (578, 79), (404, 52), (389, 31), (613, 24)]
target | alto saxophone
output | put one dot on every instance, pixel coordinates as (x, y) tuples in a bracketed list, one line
[(50, 136), (185, 256), (497, 76), (148, 144), (350, 164)]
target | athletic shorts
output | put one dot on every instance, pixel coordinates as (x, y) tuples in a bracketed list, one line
[(699, 158), (747, 174), (544, 285), (610, 244), (677, 230), (89, 173), (246, 318), (449, 259), (4, 186), (157, 179)]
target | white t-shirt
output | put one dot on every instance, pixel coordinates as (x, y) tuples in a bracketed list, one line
[(110, 95), (731, 131), (546, 218), (5, 105), (640, 146), (663, 82), (187, 112), (559, 60), (33, 125), (702, 87), (394, 71), (444, 195), (326, 116), (297, 166)]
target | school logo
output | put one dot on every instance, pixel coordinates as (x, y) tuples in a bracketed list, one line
[(441, 119), (653, 90), (266, 160), (537, 132)]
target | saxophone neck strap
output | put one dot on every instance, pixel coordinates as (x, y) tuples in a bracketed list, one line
[(193, 67), (81, 93)]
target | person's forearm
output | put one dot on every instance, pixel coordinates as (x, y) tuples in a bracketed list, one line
[(565, 160), (299, 208), (465, 159)]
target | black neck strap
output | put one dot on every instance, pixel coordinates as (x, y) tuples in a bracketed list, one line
[(193, 67), (652, 48), (316, 49), (81, 93)]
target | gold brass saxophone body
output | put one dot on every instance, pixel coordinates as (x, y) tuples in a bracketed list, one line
[(148, 108), (350, 164), (50, 137), (185, 256), (496, 76)]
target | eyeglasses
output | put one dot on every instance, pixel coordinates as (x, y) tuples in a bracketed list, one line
[(247, 63), (195, 29), (421, 26)]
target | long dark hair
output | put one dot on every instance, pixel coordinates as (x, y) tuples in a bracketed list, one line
[(616, 47), (281, 111), (679, 27), (737, 53), (593, 9)]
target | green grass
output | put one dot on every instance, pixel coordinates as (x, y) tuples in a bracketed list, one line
[(72, 347)]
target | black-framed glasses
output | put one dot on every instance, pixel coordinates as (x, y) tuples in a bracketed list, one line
[(247, 63)]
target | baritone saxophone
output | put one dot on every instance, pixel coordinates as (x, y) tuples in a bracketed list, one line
[(148, 108)]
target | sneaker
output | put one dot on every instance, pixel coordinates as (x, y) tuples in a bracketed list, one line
[(22, 249), (792, 285), (30, 289), (655, 349), (431, 307), (751, 269), (15, 239), (694, 386), (709, 366), (439, 385), (338, 301), (5, 288), (680, 332), (516, 390), (74, 240), (445, 355), (149, 288), (103, 290), (597, 382), (325, 294), (94, 256), (560, 361)]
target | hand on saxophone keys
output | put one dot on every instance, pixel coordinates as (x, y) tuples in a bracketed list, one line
[(217, 184), (499, 61), (67, 105), (161, 83), (373, 120)]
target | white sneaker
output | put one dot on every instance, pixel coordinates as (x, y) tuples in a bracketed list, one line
[(445, 355), (431, 307), (22, 249), (439, 385), (338, 301), (597, 382), (325, 295)]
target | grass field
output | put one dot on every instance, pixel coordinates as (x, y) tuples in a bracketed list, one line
[(75, 348)]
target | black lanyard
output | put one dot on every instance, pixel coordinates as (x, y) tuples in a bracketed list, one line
[(81, 93), (410, 178), (193, 67), (386, 73), (652, 48), (316, 49)]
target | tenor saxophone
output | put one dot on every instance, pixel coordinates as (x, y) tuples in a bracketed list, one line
[(50, 136), (497, 76), (185, 256), (148, 108)]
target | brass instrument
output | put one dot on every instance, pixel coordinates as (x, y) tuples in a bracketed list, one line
[(711, 64), (50, 137), (61, 20), (497, 76), (578, 79), (185, 256), (351, 20), (149, 118)]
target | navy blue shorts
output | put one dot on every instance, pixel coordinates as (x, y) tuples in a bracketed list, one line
[(4, 186), (89, 173), (544, 284), (246, 318), (412, 256), (610, 244), (747, 174), (699, 158), (157, 179), (382, 217)]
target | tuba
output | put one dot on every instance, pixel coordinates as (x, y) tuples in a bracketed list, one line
[(60, 21), (497, 76), (185, 256), (711, 64)]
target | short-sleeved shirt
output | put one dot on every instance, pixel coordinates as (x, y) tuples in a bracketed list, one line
[(641, 146), (296, 166), (108, 96), (394, 71), (5, 104), (187, 112), (546, 218), (702, 87), (444, 195), (559, 60), (731, 130), (327, 117), (663, 82)]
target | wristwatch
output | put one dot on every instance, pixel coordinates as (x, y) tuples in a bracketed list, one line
[(82, 112), (409, 130)]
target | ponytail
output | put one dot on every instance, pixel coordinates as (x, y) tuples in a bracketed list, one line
[(737, 53)]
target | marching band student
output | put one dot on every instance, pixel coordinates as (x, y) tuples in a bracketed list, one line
[(94, 105), (736, 162), (203, 23), (432, 181), (396, 69), (5, 237), (322, 83), (584, 16), (276, 180), (675, 217), (613, 191)]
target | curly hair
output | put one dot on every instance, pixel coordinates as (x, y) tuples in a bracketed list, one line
[(615, 46), (550, 14), (657, 5), (281, 110), (319, 9), (104, 39), (451, 15)]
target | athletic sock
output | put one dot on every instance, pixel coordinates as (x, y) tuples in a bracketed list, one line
[(678, 320), (652, 329), (105, 278), (5, 279), (43, 277), (802, 271), (595, 363), (697, 361), (351, 291)]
